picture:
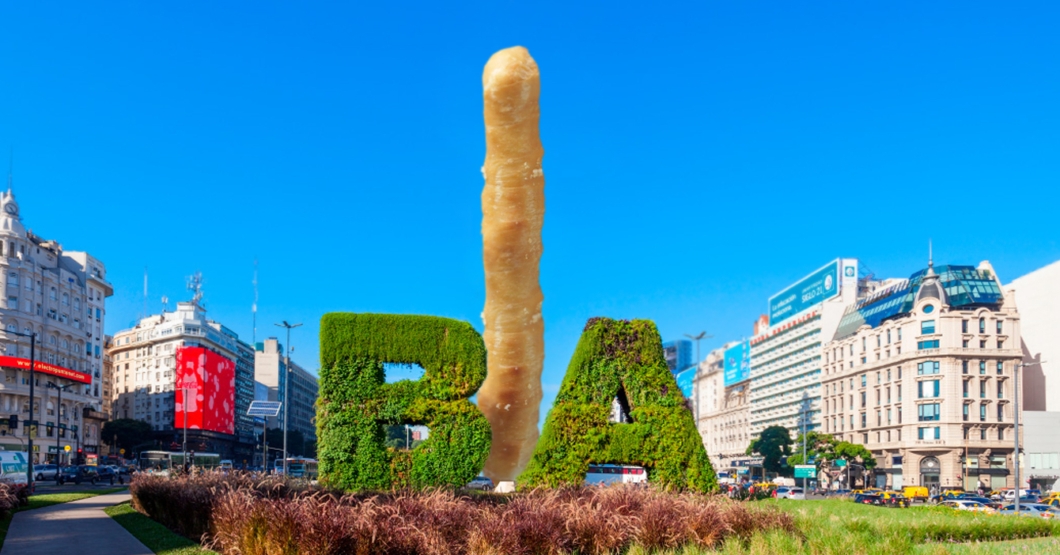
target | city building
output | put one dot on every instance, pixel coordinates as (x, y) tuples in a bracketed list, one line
[(678, 355), (268, 370), (1038, 294), (107, 391), (921, 374), (785, 357), (721, 409), (60, 297), (145, 361)]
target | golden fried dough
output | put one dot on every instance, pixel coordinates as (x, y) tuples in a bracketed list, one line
[(513, 209)]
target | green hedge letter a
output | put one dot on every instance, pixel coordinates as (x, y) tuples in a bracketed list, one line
[(623, 360), (356, 402)]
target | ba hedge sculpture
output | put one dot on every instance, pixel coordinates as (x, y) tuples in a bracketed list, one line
[(616, 358), (356, 402)]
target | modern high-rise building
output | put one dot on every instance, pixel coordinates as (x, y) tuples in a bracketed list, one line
[(678, 355), (268, 370), (921, 374), (785, 358), (145, 362), (60, 297), (1038, 294)]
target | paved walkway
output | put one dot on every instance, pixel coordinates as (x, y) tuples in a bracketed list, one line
[(71, 528)]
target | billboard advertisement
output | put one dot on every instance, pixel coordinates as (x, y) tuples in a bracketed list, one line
[(45, 368), (814, 288), (206, 387), (685, 382), (738, 363)]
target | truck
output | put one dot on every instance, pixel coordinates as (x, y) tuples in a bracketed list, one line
[(13, 466)]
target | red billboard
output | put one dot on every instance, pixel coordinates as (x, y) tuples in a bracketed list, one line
[(45, 368), (209, 382)]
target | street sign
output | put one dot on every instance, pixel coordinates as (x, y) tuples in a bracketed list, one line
[(805, 471), (66, 448), (840, 462), (264, 408)]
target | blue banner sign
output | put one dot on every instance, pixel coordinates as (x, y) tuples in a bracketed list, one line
[(685, 381), (737, 363), (815, 288)]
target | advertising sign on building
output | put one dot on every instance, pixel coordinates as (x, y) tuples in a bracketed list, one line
[(45, 368), (813, 289), (737, 363), (685, 382), (208, 380)]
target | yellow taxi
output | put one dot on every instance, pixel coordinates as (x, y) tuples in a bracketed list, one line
[(1054, 496), (916, 492)]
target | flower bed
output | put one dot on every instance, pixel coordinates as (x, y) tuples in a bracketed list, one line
[(248, 516)]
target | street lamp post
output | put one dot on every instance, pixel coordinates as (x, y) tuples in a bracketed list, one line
[(286, 389), (1016, 428), (59, 413), (32, 360), (697, 338)]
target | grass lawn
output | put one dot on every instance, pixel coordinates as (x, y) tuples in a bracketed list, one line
[(156, 537), (47, 499)]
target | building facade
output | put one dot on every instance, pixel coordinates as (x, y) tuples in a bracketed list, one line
[(921, 374), (144, 372), (723, 416), (678, 354), (785, 386), (268, 370), (58, 296)]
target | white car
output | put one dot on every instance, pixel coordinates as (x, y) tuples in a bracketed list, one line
[(785, 492), (45, 471), (1029, 509), (967, 505)]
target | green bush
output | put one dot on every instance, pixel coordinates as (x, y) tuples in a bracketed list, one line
[(356, 403), (616, 358)]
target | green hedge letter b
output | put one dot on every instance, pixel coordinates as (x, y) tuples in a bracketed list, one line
[(623, 360), (356, 403)]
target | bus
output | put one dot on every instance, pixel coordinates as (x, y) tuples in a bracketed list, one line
[(298, 467), (603, 474), (166, 461)]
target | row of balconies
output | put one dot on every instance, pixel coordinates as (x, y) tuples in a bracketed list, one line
[(767, 356), (765, 388)]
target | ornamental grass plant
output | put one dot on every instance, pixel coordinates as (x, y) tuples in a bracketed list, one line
[(266, 516)]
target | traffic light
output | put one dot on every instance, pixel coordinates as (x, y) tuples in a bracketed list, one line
[(12, 422)]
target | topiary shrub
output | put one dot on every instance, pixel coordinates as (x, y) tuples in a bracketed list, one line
[(624, 359), (356, 402)]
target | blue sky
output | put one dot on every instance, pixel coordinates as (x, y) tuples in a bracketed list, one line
[(699, 157)]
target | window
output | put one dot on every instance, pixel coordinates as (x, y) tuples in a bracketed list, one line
[(982, 433), (888, 375), (899, 334), (1000, 368), (928, 433), (1000, 412), (899, 372), (927, 367), (927, 388), (1000, 344), (965, 387), (964, 343), (864, 421), (999, 327), (864, 344), (864, 380), (982, 367), (888, 337), (982, 344), (964, 413), (964, 367), (1001, 434), (933, 344), (878, 339), (888, 416), (1000, 391), (929, 412), (53, 294), (982, 389), (927, 327), (982, 325), (982, 413), (929, 309), (862, 399), (964, 326)]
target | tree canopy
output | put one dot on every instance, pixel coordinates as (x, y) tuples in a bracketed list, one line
[(774, 446), (128, 434), (820, 448)]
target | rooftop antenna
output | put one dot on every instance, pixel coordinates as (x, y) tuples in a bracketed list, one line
[(195, 286), (931, 258), (10, 170), (254, 308), (165, 304)]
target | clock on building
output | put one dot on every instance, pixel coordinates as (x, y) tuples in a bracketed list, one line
[(11, 208)]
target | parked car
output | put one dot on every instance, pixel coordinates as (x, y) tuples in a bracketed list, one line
[(78, 474), (968, 505), (106, 474), (785, 492), (1029, 509), (885, 499), (481, 483), (45, 471)]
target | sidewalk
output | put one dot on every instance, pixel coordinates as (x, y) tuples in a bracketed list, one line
[(71, 528)]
